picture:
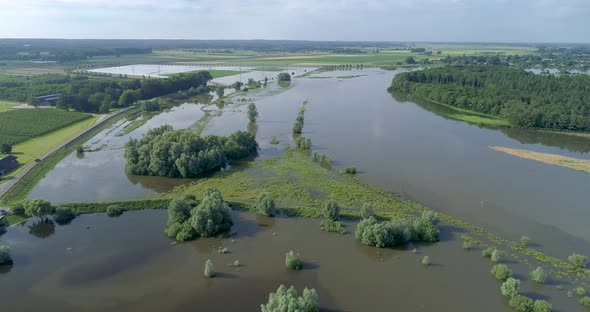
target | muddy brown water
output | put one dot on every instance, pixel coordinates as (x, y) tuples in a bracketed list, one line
[(99, 263)]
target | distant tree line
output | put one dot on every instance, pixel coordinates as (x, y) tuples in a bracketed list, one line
[(183, 154), (525, 99), (98, 95)]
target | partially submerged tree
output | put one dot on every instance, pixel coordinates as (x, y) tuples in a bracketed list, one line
[(5, 258), (265, 205), (331, 210), (539, 275), (578, 260), (252, 112), (367, 211), (209, 270), (284, 77), (293, 260), (38, 208), (211, 216), (501, 272), (511, 287), (287, 300)]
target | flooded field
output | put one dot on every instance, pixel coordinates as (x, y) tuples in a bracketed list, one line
[(409, 148), (99, 263)]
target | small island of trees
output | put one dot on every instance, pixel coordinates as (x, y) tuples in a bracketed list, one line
[(183, 154)]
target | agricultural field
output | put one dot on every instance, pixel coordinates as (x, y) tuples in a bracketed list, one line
[(8, 105), (17, 126)]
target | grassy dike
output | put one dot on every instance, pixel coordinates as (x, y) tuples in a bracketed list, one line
[(20, 190)]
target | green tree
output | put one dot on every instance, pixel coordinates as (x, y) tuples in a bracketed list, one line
[(521, 303), (331, 210), (367, 211), (410, 60), (5, 258), (237, 85), (209, 270), (287, 300), (211, 216), (252, 112), (64, 216), (501, 272), (578, 260), (284, 77), (511, 287), (5, 148), (114, 211), (487, 253), (220, 91), (496, 256), (128, 97), (293, 261), (38, 208), (539, 275), (265, 205), (525, 240), (426, 260), (542, 306)]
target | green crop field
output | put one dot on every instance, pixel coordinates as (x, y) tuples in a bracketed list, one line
[(20, 125)]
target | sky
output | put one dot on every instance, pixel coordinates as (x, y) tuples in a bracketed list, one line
[(339, 20)]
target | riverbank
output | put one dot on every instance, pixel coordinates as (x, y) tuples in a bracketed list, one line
[(552, 159)]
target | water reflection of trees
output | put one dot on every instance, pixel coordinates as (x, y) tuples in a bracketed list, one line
[(42, 228), (571, 143)]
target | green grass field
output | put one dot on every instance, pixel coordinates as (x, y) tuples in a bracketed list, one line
[(23, 124), (8, 105)]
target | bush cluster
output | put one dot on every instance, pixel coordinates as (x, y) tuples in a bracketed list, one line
[(287, 300), (398, 231)]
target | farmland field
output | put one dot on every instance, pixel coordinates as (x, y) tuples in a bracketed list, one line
[(20, 125)]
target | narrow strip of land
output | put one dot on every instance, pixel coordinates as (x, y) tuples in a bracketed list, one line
[(563, 161)]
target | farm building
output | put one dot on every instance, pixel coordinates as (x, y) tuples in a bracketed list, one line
[(48, 100), (7, 164)]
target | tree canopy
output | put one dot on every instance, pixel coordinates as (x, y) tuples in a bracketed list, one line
[(183, 154), (525, 99)]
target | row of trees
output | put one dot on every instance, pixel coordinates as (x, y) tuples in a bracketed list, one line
[(188, 220), (299, 121), (525, 99), (183, 154), (398, 231)]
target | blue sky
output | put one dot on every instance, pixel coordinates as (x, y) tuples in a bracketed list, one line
[(387, 20)]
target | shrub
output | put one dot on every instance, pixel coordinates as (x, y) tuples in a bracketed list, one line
[(18, 209), (178, 226), (331, 210), (542, 306), (367, 211), (298, 125), (350, 170), (511, 287), (5, 258), (265, 205), (114, 211), (539, 275), (326, 161), (64, 215), (303, 144), (525, 240), (585, 302), (430, 216), (211, 216), (521, 303), (496, 257), (287, 300), (396, 231), (487, 253), (236, 264), (284, 77), (333, 226), (467, 245), (501, 272), (293, 261), (274, 140), (580, 292), (426, 260), (209, 270), (578, 260)]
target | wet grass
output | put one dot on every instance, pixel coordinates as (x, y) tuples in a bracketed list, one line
[(137, 122), (552, 159)]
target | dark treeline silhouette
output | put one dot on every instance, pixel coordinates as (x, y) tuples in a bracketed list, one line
[(525, 99)]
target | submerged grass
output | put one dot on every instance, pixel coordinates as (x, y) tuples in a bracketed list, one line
[(552, 159)]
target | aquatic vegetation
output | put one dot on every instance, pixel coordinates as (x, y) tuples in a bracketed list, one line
[(580, 291), (265, 205), (467, 245), (209, 270), (287, 300), (501, 272), (539, 275), (578, 260), (293, 261), (487, 253), (274, 140), (333, 226), (525, 240), (114, 211)]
